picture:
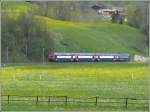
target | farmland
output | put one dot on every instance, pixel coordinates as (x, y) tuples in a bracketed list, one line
[(108, 80), (31, 30)]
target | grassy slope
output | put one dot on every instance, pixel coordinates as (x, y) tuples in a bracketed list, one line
[(87, 37), (103, 37)]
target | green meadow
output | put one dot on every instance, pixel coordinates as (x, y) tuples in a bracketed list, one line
[(106, 80)]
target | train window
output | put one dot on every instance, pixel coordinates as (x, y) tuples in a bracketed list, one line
[(63, 56), (85, 56), (123, 56), (116, 56), (74, 57), (95, 56), (106, 56)]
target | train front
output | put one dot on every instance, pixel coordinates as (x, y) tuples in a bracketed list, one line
[(51, 57)]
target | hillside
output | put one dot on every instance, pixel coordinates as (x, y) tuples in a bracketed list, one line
[(104, 37), (84, 37)]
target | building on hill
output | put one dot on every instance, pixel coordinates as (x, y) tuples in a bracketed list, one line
[(103, 10), (121, 10), (118, 14)]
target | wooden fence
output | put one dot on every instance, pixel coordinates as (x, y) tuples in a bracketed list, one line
[(66, 100)]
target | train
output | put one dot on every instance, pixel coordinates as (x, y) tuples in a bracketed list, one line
[(88, 57)]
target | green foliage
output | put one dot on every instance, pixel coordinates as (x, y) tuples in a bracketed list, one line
[(25, 31), (138, 17), (133, 16), (116, 18)]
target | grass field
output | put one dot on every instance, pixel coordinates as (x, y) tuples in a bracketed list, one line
[(109, 80)]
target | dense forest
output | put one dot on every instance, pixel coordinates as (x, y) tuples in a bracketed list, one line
[(30, 30)]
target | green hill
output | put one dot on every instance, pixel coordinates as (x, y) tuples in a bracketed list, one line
[(86, 37), (103, 37)]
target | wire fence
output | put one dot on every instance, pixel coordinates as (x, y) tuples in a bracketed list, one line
[(67, 100)]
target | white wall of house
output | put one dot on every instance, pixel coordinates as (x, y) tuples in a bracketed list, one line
[(139, 58)]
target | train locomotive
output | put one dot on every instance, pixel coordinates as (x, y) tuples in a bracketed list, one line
[(88, 57)]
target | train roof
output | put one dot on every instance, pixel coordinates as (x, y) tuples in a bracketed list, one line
[(122, 54)]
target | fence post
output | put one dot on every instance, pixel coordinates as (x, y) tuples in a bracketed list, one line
[(49, 99), (37, 99), (96, 99), (7, 54), (26, 47), (66, 100), (8, 99), (126, 103), (43, 51)]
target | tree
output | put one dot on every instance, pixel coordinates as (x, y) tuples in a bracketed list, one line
[(116, 18), (21, 31), (138, 17)]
